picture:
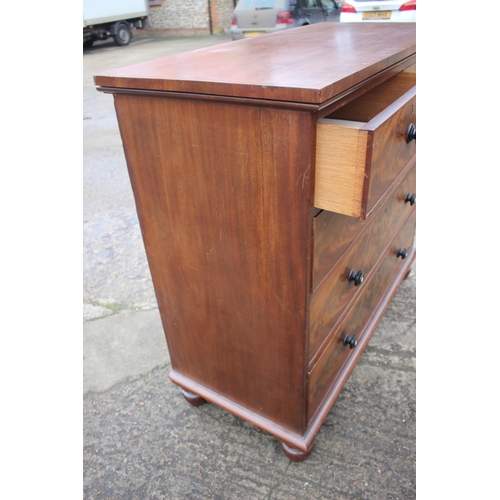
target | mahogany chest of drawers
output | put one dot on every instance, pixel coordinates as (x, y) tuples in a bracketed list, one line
[(274, 181)]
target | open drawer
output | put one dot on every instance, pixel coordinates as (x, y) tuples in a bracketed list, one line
[(363, 146)]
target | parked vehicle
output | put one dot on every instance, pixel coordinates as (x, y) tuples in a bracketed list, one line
[(112, 18), (258, 17), (397, 11)]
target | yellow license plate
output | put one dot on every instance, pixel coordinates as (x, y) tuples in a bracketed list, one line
[(253, 33), (377, 15)]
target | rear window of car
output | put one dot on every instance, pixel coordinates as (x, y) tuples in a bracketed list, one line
[(261, 4)]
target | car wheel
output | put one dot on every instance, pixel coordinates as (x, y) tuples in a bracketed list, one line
[(123, 34), (88, 43)]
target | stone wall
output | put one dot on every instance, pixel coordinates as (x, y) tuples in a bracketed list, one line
[(190, 17)]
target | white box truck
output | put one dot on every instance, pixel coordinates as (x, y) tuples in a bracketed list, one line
[(113, 18)]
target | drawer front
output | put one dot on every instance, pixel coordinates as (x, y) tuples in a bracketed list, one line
[(333, 233), (325, 372), (362, 147), (335, 292)]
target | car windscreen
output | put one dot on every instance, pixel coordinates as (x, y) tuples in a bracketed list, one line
[(261, 4)]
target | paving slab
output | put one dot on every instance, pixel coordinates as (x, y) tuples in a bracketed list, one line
[(124, 345)]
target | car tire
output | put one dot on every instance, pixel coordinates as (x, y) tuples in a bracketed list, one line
[(123, 34), (88, 43)]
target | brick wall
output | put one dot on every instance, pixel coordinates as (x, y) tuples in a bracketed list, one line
[(190, 17), (221, 11)]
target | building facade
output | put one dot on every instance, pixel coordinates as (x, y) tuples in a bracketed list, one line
[(190, 17)]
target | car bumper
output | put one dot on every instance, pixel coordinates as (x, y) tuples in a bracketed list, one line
[(408, 16), (240, 33)]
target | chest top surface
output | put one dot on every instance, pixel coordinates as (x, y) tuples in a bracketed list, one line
[(310, 64)]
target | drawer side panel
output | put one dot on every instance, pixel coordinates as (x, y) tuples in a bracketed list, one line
[(340, 168)]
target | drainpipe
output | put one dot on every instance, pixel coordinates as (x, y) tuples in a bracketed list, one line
[(210, 17)]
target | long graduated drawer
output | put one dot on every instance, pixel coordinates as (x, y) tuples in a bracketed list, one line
[(325, 371), (336, 291), (361, 147), (333, 233)]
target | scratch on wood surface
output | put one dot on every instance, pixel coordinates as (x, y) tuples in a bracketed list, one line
[(262, 177), (281, 304), (209, 253), (303, 175)]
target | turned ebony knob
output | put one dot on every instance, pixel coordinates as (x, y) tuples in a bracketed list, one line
[(411, 198), (352, 342), (411, 134), (357, 277), (402, 252)]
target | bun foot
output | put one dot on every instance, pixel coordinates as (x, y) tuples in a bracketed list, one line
[(193, 399), (296, 455)]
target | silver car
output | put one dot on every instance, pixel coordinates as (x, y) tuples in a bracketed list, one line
[(258, 17)]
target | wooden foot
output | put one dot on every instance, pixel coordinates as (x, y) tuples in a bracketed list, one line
[(193, 399), (296, 455)]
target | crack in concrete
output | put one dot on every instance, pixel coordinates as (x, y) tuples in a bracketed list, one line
[(279, 482), (128, 380), (391, 366), (392, 352)]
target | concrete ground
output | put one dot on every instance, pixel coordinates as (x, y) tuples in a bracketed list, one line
[(142, 440)]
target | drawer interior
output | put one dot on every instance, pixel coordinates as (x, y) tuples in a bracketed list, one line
[(361, 148), (369, 105)]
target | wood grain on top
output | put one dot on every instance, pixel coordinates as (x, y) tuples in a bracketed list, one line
[(309, 64)]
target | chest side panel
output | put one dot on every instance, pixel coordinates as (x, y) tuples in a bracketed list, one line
[(222, 196)]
